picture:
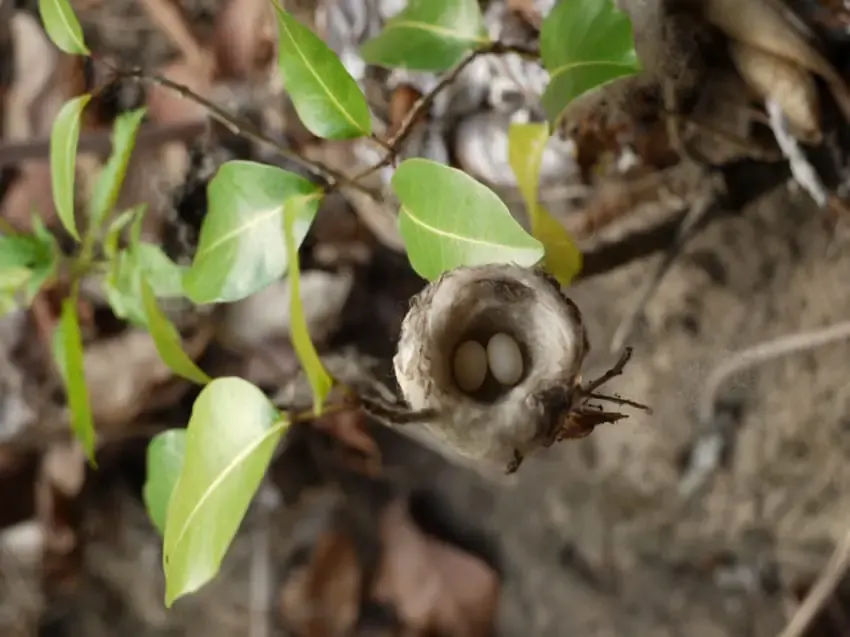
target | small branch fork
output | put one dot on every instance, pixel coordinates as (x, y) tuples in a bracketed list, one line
[(156, 135)]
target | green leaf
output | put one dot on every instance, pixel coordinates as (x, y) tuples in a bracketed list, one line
[(166, 452), (428, 35), (526, 143), (123, 282), (62, 26), (68, 354), (326, 98), (584, 44), (24, 250), (164, 276), (448, 220), (64, 138), (231, 437), (241, 250), (36, 254), (116, 226), (167, 339), (317, 375), (122, 286), (109, 182)]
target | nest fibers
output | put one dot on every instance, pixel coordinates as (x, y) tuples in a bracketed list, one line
[(499, 423), (495, 423)]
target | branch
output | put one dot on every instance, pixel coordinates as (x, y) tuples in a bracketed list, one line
[(393, 144), (243, 128)]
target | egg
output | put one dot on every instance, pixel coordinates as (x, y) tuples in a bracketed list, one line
[(505, 359), (470, 366)]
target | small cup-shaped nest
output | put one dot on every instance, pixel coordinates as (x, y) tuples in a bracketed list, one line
[(494, 422)]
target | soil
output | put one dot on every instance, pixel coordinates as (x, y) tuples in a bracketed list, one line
[(594, 540)]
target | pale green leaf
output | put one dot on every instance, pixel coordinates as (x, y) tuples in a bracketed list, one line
[(231, 437), (326, 98), (64, 138), (240, 249), (68, 354), (317, 375), (164, 276), (428, 35), (165, 455), (116, 226), (167, 339), (526, 143), (584, 44), (122, 286), (62, 26), (448, 219), (109, 181)]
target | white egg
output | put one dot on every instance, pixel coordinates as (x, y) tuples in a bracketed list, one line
[(505, 359), (470, 366)]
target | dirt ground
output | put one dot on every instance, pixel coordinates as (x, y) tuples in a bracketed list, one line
[(596, 540)]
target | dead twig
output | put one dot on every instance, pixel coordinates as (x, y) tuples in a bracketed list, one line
[(762, 353), (691, 224), (820, 593)]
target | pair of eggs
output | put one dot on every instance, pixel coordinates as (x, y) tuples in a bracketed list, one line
[(502, 357)]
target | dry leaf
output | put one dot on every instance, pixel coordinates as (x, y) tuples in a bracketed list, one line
[(243, 42)]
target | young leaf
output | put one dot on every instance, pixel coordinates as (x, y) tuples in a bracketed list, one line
[(230, 440), (584, 44), (112, 176), (64, 138), (116, 226), (240, 250), (165, 455), (448, 220), (62, 26), (167, 339), (326, 98), (428, 35), (320, 380), (68, 353), (122, 286), (526, 143), (164, 276)]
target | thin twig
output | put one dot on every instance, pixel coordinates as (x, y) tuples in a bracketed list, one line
[(828, 580), (615, 371), (689, 227), (243, 128), (763, 352), (393, 144)]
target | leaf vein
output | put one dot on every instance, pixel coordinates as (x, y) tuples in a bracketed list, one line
[(321, 83), (221, 477)]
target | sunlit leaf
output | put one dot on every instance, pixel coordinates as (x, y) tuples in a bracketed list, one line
[(62, 26), (68, 354), (166, 452), (448, 220), (240, 249), (230, 440), (526, 143), (326, 98), (584, 44), (167, 339), (64, 138), (317, 375), (109, 181), (428, 35)]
